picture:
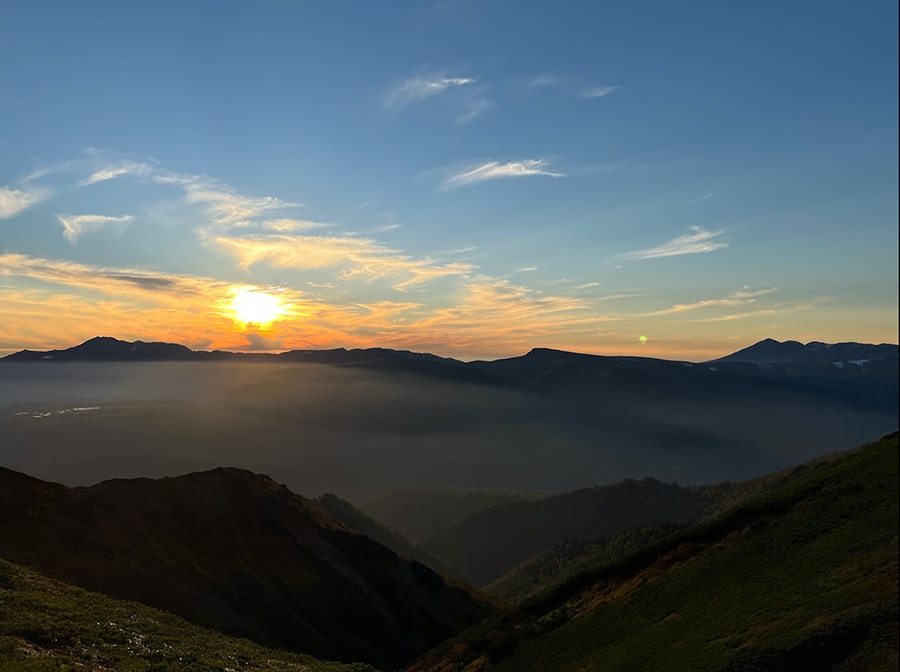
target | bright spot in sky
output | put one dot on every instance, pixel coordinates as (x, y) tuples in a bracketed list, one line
[(254, 307), (642, 339)]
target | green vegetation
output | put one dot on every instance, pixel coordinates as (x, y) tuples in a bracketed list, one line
[(802, 578), (572, 557), (487, 544), (48, 626)]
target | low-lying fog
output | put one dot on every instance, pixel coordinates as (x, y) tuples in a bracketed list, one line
[(361, 433)]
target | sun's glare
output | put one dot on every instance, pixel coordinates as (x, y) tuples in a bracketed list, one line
[(251, 306)]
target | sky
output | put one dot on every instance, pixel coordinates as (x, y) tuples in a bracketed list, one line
[(462, 177)]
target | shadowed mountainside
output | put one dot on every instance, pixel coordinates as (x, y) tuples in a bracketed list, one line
[(359, 521), (239, 553), (417, 513), (801, 578), (495, 540)]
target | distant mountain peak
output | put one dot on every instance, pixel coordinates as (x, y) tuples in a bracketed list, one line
[(770, 351)]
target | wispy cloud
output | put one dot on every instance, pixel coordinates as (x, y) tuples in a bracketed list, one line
[(14, 201), (288, 225), (705, 197), (225, 206), (739, 298), (417, 89), (356, 258), (493, 313), (597, 91), (474, 108), (118, 169), (697, 242), (493, 170), (106, 279), (75, 225), (543, 80)]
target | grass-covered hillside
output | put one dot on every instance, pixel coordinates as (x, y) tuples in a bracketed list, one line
[(572, 557), (495, 540), (801, 578), (46, 625)]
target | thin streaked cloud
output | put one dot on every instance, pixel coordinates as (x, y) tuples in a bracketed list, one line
[(118, 169), (597, 91), (287, 225), (474, 108), (708, 195), (417, 89), (226, 207), (698, 241), (543, 80), (353, 257), (493, 170), (75, 225), (110, 280), (739, 298)]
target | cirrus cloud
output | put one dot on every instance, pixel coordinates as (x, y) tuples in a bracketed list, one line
[(493, 170), (356, 258), (699, 241), (75, 225), (417, 89), (14, 201), (597, 91)]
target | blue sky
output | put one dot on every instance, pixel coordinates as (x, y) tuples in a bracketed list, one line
[(468, 178)]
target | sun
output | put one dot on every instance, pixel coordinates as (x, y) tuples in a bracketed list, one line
[(252, 306)]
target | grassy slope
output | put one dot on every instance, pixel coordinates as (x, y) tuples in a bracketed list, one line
[(47, 625), (493, 541), (803, 578), (573, 557)]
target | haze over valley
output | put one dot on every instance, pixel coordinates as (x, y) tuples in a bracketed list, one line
[(369, 422)]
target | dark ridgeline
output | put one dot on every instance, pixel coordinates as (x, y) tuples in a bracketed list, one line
[(849, 372), (362, 423), (241, 554)]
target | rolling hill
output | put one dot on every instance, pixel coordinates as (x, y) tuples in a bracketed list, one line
[(804, 577), (239, 553)]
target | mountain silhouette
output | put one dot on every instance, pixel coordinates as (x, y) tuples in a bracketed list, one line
[(237, 552)]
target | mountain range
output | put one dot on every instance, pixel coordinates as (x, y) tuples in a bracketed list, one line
[(852, 371), (801, 575), (238, 553), (365, 423), (106, 348)]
